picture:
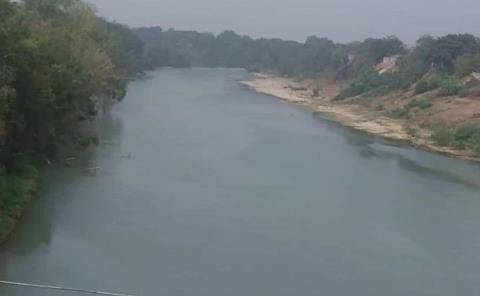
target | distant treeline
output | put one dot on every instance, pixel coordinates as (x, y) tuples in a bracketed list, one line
[(228, 49), (432, 61)]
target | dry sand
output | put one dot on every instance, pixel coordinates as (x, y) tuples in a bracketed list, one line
[(350, 115)]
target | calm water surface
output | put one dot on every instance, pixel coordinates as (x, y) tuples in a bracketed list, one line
[(229, 192)]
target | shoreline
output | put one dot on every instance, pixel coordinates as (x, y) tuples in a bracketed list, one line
[(348, 115), (30, 187)]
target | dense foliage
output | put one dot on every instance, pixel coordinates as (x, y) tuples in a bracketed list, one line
[(59, 63)]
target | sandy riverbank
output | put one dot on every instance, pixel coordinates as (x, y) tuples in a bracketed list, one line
[(350, 115)]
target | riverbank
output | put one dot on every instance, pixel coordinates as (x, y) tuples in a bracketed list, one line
[(22, 184), (318, 96), (19, 190)]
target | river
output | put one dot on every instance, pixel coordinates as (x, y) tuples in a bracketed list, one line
[(228, 192)]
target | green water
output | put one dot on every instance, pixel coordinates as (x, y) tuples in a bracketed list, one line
[(229, 192)]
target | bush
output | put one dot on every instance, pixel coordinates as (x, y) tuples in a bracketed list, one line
[(421, 87), (469, 136), (411, 131), (425, 85), (404, 112), (400, 113), (379, 91), (419, 103), (354, 89), (474, 143), (449, 86), (372, 84), (467, 64), (442, 136), (467, 133), (15, 191), (368, 80), (23, 165), (424, 104), (466, 137)]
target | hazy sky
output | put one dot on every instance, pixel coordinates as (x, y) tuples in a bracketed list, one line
[(340, 20)]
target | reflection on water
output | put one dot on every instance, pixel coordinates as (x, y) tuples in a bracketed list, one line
[(369, 151), (37, 239), (369, 147), (34, 231), (228, 192)]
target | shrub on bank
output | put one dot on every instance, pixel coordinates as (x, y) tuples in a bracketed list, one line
[(469, 137), (442, 136), (466, 137), (426, 85), (16, 189), (475, 142), (419, 103), (467, 133), (371, 83), (400, 113), (449, 86)]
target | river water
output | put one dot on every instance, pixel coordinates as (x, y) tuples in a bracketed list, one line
[(228, 192)]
